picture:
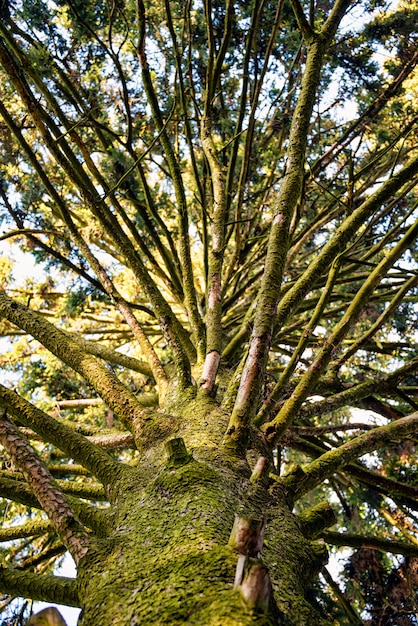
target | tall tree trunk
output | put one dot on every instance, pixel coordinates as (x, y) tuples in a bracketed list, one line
[(168, 556)]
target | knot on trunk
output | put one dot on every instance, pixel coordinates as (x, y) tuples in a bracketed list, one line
[(177, 452), (252, 577)]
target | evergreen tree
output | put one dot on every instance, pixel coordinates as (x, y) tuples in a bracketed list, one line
[(218, 201)]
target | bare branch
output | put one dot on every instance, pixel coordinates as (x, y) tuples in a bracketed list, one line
[(45, 489)]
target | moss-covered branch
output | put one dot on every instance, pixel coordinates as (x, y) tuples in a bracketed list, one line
[(78, 447), (112, 356), (341, 237), (137, 330), (19, 492), (85, 490), (384, 485), (107, 385), (153, 367), (354, 394), (313, 521), (33, 528), (287, 413), (362, 541), (67, 160), (289, 195), (216, 254), (41, 587), (174, 167), (109, 440), (304, 26), (328, 463), (269, 406), (394, 303)]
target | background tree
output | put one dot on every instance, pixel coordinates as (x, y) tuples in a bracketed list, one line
[(220, 200)]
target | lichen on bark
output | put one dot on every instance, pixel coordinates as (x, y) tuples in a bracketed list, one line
[(166, 558)]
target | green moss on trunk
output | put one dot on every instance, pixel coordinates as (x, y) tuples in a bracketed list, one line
[(167, 559)]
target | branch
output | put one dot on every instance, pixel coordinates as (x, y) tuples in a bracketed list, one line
[(369, 114), (382, 484), (328, 463), (337, 12), (337, 243), (250, 47), (89, 515), (45, 489), (174, 167), (216, 255), (112, 356), (29, 232), (314, 520), (33, 528), (289, 195), (304, 26), (358, 392), (107, 385), (41, 587), (362, 541), (269, 406), (137, 331), (68, 161), (78, 447), (287, 413), (85, 490), (394, 303), (348, 609)]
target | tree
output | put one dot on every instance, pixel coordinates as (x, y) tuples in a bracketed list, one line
[(229, 268)]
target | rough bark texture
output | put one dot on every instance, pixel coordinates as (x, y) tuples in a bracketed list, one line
[(166, 558)]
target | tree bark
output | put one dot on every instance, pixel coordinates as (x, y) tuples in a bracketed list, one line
[(167, 557)]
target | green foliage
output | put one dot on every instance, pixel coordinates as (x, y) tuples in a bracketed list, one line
[(58, 382)]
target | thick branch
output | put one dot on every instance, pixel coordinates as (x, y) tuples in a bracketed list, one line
[(328, 463), (362, 541), (90, 515), (289, 196), (216, 253), (113, 392), (78, 447), (85, 490), (382, 484), (269, 406), (33, 528), (42, 587), (45, 489)]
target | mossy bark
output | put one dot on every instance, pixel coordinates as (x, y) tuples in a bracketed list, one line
[(166, 558)]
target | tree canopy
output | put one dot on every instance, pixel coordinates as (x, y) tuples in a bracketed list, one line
[(218, 201)]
